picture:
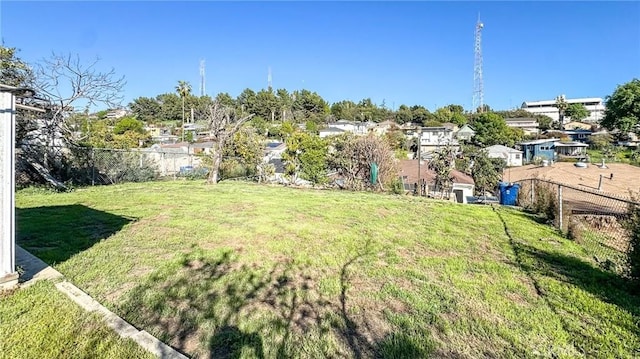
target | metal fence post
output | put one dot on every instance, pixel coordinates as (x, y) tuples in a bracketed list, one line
[(163, 168), (560, 207), (93, 166)]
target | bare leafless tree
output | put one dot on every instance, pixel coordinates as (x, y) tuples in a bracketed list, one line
[(223, 122), (352, 157), (68, 84)]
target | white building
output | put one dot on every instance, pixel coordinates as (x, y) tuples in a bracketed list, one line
[(432, 138), (528, 125), (594, 105), (512, 156)]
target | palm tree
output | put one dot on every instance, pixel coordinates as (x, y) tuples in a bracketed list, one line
[(562, 106), (184, 90)]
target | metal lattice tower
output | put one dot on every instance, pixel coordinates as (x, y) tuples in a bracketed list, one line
[(203, 90), (478, 91), (269, 79)]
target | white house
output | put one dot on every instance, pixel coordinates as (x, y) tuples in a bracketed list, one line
[(432, 138), (330, 131), (594, 105), (384, 127), (528, 125), (512, 156), (465, 133)]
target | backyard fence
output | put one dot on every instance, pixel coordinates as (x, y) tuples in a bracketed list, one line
[(594, 219), (96, 166)]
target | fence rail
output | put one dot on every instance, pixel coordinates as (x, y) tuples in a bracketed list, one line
[(594, 219)]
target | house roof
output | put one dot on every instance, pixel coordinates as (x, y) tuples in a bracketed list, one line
[(568, 100), (208, 144), (502, 149), (520, 119), (466, 128), (272, 146), (409, 168), (537, 142), (571, 144), (577, 125), (331, 129), (387, 123), (576, 131), (278, 164), (436, 129)]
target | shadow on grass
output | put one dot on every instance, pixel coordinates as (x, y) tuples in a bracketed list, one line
[(610, 287), (606, 285), (55, 233), (213, 306)]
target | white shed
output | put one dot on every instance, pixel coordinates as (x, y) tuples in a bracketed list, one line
[(512, 156)]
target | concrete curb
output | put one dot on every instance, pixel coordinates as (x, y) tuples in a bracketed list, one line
[(119, 325), (35, 269)]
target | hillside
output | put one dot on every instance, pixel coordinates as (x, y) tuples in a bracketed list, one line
[(244, 270)]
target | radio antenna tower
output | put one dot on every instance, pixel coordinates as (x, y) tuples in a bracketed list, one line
[(203, 90), (269, 79), (478, 91)]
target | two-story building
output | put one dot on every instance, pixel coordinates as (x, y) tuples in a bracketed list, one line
[(433, 138), (528, 125)]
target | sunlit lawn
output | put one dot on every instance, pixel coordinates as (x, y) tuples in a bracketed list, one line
[(244, 270), (40, 322)]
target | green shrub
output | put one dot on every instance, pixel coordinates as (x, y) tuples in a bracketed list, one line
[(632, 226), (545, 201), (397, 187)]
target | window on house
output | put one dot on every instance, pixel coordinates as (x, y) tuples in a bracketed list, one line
[(517, 156)]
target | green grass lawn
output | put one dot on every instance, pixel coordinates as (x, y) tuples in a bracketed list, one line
[(243, 270), (623, 156), (40, 322)]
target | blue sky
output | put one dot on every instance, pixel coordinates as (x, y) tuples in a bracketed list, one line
[(399, 52)]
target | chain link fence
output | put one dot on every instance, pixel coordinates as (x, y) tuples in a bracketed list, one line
[(81, 166), (594, 219)]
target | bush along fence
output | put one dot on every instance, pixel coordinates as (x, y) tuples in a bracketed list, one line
[(602, 223), (84, 166)]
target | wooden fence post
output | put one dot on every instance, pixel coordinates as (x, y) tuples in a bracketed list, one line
[(532, 191)]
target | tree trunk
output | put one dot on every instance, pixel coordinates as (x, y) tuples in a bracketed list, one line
[(183, 119), (216, 156)]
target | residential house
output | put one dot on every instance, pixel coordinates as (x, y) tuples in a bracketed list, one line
[(116, 113), (632, 141), (578, 135), (384, 127), (451, 126), (528, 125), (330, 131), (465, 133), (433, 138), (356, 127), (274, 150), (161, 135), (512, 157), (571, 149), (463, 185), (543, 149)]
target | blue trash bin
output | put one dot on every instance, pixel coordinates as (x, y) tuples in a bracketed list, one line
[(508, 193)]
